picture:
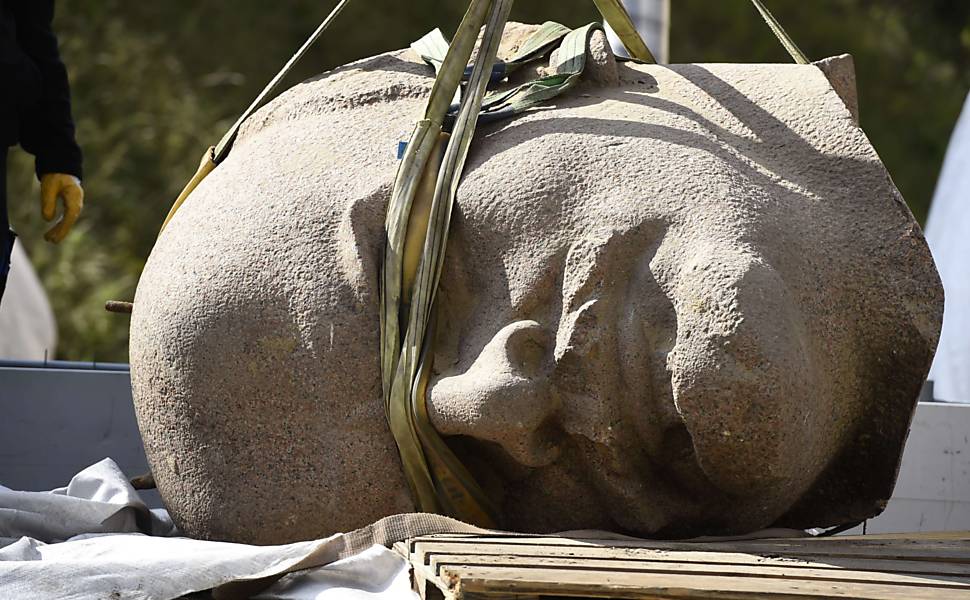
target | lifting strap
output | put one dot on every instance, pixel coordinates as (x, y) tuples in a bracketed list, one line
[(419, 214), (565, 71), (438, 481), (417, 224), (216, 154), (613, 13), (793, 50), (616, 16), (418, 221)]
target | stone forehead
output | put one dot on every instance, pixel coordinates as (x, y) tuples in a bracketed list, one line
[(680, 143)]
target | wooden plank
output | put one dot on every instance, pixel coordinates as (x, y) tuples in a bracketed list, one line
[(420, 575), (423, 549), (864, 567), (953, 538), (959, 540), (937, 551), (462, 581), (438, 563), (920, 535)]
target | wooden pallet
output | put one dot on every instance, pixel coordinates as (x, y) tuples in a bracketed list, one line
[(903, 566)]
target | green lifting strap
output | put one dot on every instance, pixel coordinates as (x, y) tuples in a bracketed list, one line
[(793, 50), (438, 480), (433, 46), (566, 71), (614, 13)]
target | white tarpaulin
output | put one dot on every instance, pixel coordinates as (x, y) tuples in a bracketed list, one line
[(95, 538), (948, 233)]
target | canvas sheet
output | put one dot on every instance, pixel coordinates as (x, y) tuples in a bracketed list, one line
[(95, 538)]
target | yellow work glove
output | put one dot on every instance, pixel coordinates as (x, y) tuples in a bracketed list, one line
[(68, 188)]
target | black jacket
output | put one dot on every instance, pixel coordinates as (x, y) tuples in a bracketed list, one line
[(35, 101)]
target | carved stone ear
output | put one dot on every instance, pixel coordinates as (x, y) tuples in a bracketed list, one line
[(840, 71), (360, 242)]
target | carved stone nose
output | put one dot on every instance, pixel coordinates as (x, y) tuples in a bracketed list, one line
[(504, 397)]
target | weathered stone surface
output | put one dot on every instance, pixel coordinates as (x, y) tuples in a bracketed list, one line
[(840, 71), (692, 302)]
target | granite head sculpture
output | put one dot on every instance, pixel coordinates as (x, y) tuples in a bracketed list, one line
[(682, 300)]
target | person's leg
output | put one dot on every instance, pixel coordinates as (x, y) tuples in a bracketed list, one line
[(6, 235)]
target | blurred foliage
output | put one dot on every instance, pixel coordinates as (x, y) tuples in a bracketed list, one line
[(155, 83), (912, 63)]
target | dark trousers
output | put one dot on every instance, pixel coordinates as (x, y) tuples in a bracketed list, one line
[(6, 235)]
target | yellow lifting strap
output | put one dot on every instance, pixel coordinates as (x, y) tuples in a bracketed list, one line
[(216, 154), (205, 167)]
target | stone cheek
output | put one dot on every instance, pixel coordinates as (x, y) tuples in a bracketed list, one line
[(688, 302)]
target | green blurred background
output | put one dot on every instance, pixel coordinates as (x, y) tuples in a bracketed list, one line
[(155, 83)]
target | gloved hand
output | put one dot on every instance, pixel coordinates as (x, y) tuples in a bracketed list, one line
[(68, 188)]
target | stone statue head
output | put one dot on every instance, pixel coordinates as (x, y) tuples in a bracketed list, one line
[(681, 300)]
